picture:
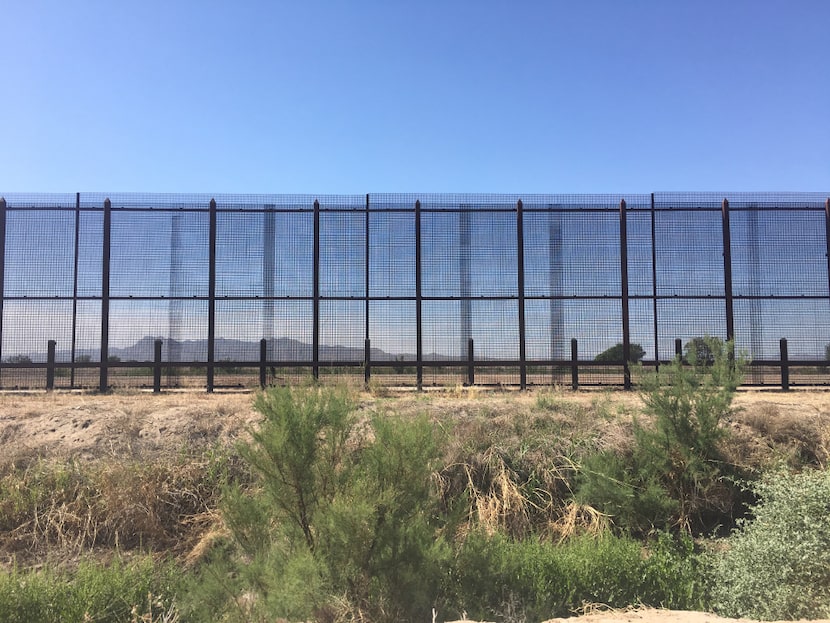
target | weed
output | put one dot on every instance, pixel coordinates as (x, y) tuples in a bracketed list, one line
[(139, 591), (531, 580)]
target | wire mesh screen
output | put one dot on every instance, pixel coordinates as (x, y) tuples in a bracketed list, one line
[(778, 253), (455, 288), (761, 323), (40, 251), (29, 325), (689, 253), (342, 254), (392, 254), (342, 333), (572, 254), (687, 319), (159, 254), (264, 254), (90, 236), (467, 253), (392, 331)]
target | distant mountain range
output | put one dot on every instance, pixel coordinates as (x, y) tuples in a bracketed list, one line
[(279, 349)]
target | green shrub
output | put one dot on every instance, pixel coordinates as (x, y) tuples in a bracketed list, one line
[(675, 476), (777, 564), (93, 592), (342, 521)]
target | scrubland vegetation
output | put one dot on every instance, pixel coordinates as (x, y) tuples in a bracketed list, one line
[(340, 506)]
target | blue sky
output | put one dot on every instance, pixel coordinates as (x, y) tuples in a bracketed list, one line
[(385, 96)]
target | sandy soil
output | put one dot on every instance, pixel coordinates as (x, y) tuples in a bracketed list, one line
[(91, 427)]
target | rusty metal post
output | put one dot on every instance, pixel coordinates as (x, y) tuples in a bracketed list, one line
[(520, 279), (315, 337), (157, 365), (419, 333), (654, 284), (103, 381), (367, 361), (263, 359), (211, 333), (626, 335), (785, 367), (574, 364), (471, 368), (2, 264), (366, 327), (75, 290), (827, 238), (727, 272), (50, 365)]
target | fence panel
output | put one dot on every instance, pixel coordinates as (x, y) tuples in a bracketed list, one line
[(433, 282)]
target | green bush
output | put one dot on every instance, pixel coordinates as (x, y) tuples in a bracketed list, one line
[(675, 476), (342, 522), (777, 564), (93, 592)]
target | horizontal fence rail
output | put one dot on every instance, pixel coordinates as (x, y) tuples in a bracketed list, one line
[(166, 291)]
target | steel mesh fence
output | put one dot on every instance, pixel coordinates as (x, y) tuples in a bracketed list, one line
[(141, 290)]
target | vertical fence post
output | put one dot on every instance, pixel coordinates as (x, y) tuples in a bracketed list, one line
[(315, 333), (827, 243), (471, 367), (678, 349), (419, 333), (75, 290), (2, 265), (826, 236), (157, 365), (50, 365), (520, 269), (654, 284), (366, 336), (263, 359), (367, 361), (103, 381), (211, 333), (465, 282), (626, 335), (574, 364), (785, 367), (727, 271)]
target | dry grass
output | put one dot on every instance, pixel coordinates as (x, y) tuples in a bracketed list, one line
[(793, 428), (62, 510)]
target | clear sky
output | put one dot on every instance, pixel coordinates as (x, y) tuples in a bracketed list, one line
[(428, 96)]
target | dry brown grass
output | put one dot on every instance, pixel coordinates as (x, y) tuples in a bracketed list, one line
[(60, 510), (769, 428)]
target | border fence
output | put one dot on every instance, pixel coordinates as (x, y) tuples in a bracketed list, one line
[(164, 291)]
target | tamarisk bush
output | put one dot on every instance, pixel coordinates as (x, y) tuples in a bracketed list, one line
[(341, 522), (675, 476)]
